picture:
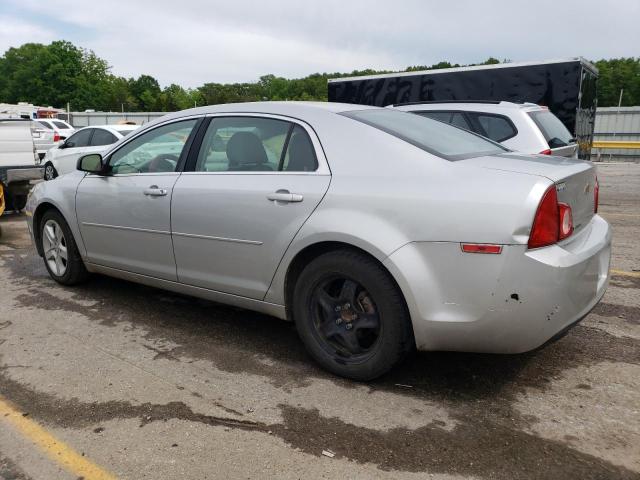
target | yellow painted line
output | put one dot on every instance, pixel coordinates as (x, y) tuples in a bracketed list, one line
[(625, 274), (57, 450), (616, 144)]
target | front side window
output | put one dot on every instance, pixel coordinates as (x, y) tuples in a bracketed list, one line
[(430, 135), (241, 144), (80, 138), (155, 151), (102, 137), (495, 127)]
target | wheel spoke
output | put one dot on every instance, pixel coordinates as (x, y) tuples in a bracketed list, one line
[(50, 234), (327, 303), (62, 250), (366, 321), (350, 342), (348, 291), (329, 329), (50, 254), (59, 265), (58, 231)]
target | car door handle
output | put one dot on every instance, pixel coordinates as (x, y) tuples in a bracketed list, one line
[(285, 196), (154, 191)]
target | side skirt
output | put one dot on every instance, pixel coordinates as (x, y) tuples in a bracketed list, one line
[(273, 309)]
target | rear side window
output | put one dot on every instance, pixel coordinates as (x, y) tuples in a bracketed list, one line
[(554, 131), (102, 137), (496, 127), (80, 139), (430, 135), (253, 144), (452, 118)]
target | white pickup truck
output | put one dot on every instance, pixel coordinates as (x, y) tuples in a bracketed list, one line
[(17, 161)]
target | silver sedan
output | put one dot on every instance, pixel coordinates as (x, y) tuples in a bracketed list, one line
[(375, 231)]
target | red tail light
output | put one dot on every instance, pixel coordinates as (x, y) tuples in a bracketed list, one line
[(546, 152), (596, 194), (553, 221), (56, 137)]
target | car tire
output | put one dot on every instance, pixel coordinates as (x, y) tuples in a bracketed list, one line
[(56, 241), (16, 202), (351, 315), (50, 171)]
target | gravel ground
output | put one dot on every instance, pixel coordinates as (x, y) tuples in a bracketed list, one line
[(149, 384)]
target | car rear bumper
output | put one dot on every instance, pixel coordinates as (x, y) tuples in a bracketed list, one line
[(507, 303)]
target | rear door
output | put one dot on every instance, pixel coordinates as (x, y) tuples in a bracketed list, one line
[(254, 182)]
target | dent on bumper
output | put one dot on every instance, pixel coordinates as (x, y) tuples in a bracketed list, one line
[(507, 303)]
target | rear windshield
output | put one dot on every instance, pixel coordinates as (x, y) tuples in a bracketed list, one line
[(45, 125), (430, 135), (554, 131), (124, 133)]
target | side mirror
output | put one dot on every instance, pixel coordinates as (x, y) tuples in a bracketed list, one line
[(91, 163)]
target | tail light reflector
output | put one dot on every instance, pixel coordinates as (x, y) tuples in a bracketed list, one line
[(480, 248), (56, 137), (596, 195), (566, 221), (546, 152)]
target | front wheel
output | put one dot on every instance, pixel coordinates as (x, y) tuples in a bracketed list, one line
[(351, 315), (50, 171), (61, 256)]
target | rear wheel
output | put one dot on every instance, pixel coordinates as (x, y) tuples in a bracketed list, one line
[(351, 315), (50, 171), (61, 256)]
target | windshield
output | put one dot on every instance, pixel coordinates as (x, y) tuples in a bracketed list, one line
[(554, 131), (430, 135)]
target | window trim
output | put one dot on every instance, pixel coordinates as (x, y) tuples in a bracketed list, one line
[(323, 166)]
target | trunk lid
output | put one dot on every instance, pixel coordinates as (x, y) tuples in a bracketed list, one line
[(574, 179)]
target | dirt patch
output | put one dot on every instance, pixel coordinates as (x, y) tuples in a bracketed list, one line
[(629, 314), (624, 281), (478, 446), (10, 471)]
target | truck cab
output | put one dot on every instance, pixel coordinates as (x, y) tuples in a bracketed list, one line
[(17, 161)]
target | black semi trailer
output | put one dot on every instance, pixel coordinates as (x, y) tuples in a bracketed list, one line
[(567, 87)]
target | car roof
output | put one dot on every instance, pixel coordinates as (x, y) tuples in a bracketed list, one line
[(300, 110), (478, 105)]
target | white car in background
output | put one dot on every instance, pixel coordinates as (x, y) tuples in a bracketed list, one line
[(62, 128), (523, 127), (93, 139)]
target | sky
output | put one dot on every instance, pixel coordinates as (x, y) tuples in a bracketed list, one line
[(191, 42)]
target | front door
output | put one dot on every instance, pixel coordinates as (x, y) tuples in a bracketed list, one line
[(125, 217), (255, 182)]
